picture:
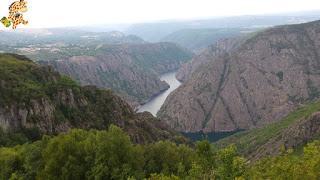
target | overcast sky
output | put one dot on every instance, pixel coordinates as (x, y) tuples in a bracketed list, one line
[(52, 13)]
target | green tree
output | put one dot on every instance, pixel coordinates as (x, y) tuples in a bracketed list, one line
[(167, 158), (116, 156), (204, 166), (10, 162), (231, 165), (65, 157)]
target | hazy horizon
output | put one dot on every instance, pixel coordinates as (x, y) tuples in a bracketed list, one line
[(59, 13)]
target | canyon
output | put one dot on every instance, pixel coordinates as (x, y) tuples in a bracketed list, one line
[(36, 100), (130, 70)]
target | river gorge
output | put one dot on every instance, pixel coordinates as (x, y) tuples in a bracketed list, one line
[(154, 105)]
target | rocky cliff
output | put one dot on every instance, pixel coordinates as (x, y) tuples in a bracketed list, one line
[(131, 70), (218, 48), (262, 80), (41, 100)]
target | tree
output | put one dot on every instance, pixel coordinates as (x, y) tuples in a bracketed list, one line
[(231, 165), (116, 156), (65, 156), (167, 158), (10, 162)]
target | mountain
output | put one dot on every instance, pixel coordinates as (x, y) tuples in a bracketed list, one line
[(37, 100), (256, 83), (199, 39), (132, 70), (156, 31), (292, 132)]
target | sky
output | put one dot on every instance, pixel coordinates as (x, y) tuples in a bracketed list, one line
[(57, 13)]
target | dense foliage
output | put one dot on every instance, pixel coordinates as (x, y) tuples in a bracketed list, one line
[(9, 139), (110, 154)]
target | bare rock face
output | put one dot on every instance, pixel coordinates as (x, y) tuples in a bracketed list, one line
[(131, 70), (218, 48), (260, 81)]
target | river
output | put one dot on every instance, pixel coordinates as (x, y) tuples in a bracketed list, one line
[(154, 105)]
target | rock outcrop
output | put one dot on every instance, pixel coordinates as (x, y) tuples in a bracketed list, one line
[(260, 81), (40, 99)]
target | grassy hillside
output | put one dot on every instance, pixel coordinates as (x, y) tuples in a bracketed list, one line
[(249, 141), (22, 80)]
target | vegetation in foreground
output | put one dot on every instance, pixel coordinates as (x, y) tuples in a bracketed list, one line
[(110, 154)]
